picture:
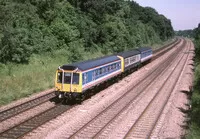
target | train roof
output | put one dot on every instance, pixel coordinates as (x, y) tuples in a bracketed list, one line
[(129, 53), (142, 49), (85, 65)]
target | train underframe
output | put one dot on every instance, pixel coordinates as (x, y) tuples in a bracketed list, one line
[(70, 96)]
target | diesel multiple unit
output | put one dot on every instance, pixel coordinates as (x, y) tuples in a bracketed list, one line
[(73, 80)]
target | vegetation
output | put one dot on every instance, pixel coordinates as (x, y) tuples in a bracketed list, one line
[(38, 35), (195, 123), (185, 33)]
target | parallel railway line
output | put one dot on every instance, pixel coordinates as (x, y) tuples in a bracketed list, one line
[(149, 117), (95, 127), (159, 52), (25, 106), (167, 45), (32, 123)]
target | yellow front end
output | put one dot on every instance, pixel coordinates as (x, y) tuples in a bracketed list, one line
[(68, 87)]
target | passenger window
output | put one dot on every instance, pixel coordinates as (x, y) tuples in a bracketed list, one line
[(93, 75), (126, 61), (102, 70)]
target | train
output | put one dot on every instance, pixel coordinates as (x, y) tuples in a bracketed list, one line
[(73, 81)]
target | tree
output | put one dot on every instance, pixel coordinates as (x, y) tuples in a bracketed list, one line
[(37, 26), (15, 46)]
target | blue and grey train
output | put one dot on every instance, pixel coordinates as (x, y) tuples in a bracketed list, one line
[(73, 80)]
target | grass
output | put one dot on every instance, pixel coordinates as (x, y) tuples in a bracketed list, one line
[(19, 80)]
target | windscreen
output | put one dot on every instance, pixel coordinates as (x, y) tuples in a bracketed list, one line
[(67, 78)]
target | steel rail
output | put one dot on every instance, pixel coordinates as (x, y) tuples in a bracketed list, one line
[(11, 112), (141, 118), (34, 122), (90, 122)]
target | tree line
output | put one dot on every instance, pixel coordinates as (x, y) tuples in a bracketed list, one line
[(185, 33), (38, 26)]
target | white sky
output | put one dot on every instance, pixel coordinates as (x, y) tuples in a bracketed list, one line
[(184, 14)]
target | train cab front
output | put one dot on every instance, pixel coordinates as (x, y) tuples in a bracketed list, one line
[(68, 84)]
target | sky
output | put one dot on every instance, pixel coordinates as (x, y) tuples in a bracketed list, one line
[(184, 14)]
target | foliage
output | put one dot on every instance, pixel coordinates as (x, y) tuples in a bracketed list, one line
[(30, 27), (195, 126), (185, 33), (196, 97)]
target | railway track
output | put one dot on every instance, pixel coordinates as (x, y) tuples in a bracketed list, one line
[(95, 128), (32, 123), (149, 117), (159, 52), (167, 45), (11, 112)]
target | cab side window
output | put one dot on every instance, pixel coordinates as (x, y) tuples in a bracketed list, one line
[(75, 78)]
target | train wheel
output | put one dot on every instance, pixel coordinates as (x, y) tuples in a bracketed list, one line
[(83, 97), (65, 101)]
